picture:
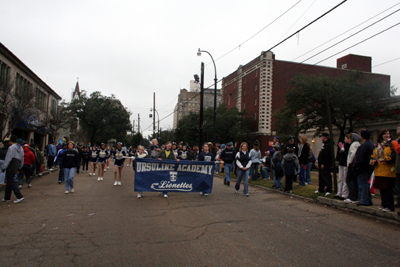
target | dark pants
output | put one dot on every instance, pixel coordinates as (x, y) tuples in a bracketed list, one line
[(387, 198), (325, 179), (61, 175), (352, 184), (289, 182), (364, 189), (38, 167), (85, 165), (25, 171), (254, 171), (11, 186), (50, 162)]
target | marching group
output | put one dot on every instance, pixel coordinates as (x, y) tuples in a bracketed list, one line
[(363, 166)]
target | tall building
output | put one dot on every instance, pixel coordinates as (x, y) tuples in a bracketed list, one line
[(45, 99), (189, 101), (259, 87)]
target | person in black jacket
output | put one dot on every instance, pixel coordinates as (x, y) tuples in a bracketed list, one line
[(291, 144), (305, 161), (363, 169), (324, 166), (228, 157), (69, 162)]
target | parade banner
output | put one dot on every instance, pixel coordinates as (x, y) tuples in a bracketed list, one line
[(172, 176)]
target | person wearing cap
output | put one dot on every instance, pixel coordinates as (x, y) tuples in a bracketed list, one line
[(70, 161), (363, 169), (119, 155), (275, 142), (291, 144), (228, 156), (12, 164), (324, 166), (29, 159), (102, 155)]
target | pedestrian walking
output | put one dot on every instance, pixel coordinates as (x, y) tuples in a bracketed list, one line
[(228, 157), (243, 163), (384, 160), (206, 155), (85, 159), (29, 159), (39, 161), (167, 153), (93, 160), (363, 168), (13, 162), (51, 155), (119, 155), (69, 163), (324, 166), (255, 157), (102, 155), (290, 167)]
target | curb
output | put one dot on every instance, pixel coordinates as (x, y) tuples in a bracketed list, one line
[(44, 173), (366, 210), (340, 204)]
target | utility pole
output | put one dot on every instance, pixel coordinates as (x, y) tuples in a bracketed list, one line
[(133, 128), (138, 125), (201, 106), (154, 115)]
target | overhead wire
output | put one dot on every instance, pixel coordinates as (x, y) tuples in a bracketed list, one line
[(386, 62)]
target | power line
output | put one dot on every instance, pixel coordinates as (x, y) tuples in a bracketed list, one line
[(386, 62), (346, 31), (257, 32)]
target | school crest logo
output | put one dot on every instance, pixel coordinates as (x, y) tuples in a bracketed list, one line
[(173, 176)]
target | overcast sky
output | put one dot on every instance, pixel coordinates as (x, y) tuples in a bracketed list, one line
[(134, 48)]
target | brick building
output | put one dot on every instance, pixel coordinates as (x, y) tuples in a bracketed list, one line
[(259, 87)]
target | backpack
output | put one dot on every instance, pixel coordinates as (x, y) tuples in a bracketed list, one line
[(290, 167)]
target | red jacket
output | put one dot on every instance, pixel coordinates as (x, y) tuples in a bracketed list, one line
[(29, 158)]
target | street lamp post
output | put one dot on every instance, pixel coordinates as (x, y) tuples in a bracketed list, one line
[(215, 94), (158, 120)]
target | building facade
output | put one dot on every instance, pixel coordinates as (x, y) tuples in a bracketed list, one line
[(259, 87), (189, 101), (45, 100)]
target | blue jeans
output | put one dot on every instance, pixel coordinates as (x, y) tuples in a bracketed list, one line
[(254, 171), (264, 173), (308, 173), (364, 189), (228, 167), (277, 182), (69, 174), (245, 175)]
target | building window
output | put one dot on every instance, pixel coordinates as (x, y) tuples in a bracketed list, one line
[(22, 85), (4, 71), (255, 115), (256, 73), (255, 87), (244, 91), (53, 106), (255, 102)]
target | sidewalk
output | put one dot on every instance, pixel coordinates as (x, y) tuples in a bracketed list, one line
[(301, 192)]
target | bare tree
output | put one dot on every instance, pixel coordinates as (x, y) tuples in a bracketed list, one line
[(15, 105), (58, 119)]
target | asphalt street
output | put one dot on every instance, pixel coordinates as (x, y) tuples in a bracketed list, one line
[(106, 225)]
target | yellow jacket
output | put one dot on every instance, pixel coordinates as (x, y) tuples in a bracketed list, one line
[(385, 168)]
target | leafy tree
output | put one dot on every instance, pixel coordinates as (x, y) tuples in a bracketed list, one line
[(101, 117), (352, 101)]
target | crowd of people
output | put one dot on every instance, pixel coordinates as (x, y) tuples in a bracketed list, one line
[(363, 166)]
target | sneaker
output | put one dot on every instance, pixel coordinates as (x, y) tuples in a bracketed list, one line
[(20, 186), (90, 173), (108, 167), (348, 200), (205, 194), (18, 200), (72, 190), (165, 195), (115, 183), (29, 186), (99, 179), (105, 170), (246, 195), (236, 191), (386, 210), (59, 181), (381, 208), (139, 195), (119, 183), (51, 169), (327, 194), (5, 200), (94, 174), (228, 183), (66, 191), (40, 174), (201, 193), (316, 192)]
